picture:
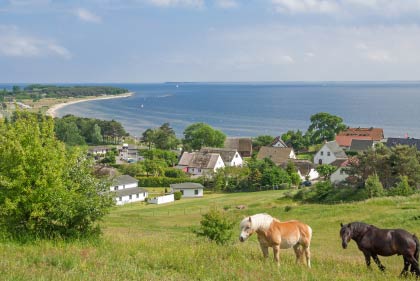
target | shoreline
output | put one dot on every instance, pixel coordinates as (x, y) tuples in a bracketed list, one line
[(52, 111)]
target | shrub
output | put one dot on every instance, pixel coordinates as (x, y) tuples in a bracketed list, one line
[(216, 227), (402, 188), (373, 186), (288, 208), (163, 181), (177, 195), (174, 173)]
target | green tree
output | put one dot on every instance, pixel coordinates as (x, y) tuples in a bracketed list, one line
[(165, 138), (324, 127), (96, 135), (297, 140), (216, 227), (325, 170), (373, 186), (260, 141), (402, 188), (45, 190), (68, 132), (149, 137), (154, 167), (171, 158), (199, 135)]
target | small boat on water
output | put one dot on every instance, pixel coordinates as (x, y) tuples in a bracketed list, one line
[(141, 106)]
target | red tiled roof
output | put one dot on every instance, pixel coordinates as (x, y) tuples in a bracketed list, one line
[(376, 134), (345, 141)]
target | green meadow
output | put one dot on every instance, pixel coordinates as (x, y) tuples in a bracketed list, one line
[(149, 242)]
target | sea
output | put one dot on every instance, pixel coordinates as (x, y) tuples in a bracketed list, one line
[(253, 109)]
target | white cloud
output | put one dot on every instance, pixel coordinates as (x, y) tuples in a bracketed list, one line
[(227, 4), (169, 3), (87, 16), (305, 6), (381, 56), (15, 44)]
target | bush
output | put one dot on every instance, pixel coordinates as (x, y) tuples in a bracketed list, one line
[(216, 227), (163, 181), (402, 188), (177, 195), (47, 191), (174, 173), (373, 186)]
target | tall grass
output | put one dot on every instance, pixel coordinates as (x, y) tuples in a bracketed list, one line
[(139, 246)]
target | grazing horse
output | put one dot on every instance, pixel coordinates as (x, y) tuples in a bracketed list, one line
[(373, 241), (278, 235)]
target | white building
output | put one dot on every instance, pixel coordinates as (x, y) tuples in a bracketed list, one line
[(330, 153), (127, 191), (230, 156), (278, 142), (162, 199), (200, 163), (188, 189), (340, 174)]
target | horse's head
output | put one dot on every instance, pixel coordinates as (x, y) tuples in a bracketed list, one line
[(346, 234), (246, 229)]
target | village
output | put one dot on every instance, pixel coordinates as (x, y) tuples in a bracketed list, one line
[(330, 162)]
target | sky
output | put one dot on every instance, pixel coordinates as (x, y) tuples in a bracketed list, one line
[(139, 41)]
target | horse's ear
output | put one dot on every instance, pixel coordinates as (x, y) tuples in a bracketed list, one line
[(250, 219), (341, 224)]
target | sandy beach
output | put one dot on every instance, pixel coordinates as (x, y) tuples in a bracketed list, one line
[(52, 111)]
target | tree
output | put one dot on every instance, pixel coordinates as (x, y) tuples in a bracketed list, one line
[(324, 127), (199, 135), (325, 170), (46, 191), (297, 140), (68, 132), (154, 167), (165, 138), (260, 141), (403, 188), (373, 186), (149, 137), (96, 135)]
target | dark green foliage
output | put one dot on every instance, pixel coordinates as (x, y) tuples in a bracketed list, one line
[(46, 191), (169, 157), (216, 227), (259, 141), (324, 127), (163, 181), (109, 157), (175, 173), (200, 135), (297, 140), (402, 188), (72, 129), (177, 195), (163, 137), (134, 170), (37, 91)]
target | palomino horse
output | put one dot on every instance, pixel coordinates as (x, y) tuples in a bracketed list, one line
[(373, 241), (278, 235)]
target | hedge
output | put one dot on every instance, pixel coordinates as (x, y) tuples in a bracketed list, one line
[(163, 181)]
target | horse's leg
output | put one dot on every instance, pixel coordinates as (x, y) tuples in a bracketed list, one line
[(406, 266), (264, 250), (414, 265), (378, 262), (307, 255), (367, 258), (276, 250), (298, 252)]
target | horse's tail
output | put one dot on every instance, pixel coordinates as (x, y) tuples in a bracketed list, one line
[(416, 253)]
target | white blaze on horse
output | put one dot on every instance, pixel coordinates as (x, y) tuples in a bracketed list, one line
[(278, 235)]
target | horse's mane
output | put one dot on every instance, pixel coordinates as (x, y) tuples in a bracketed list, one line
[(359, 228), (259, 221)]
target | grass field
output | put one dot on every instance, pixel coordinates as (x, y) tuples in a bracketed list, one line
[(148, 242)]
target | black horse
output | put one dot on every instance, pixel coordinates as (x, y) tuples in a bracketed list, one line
[(373, 241)]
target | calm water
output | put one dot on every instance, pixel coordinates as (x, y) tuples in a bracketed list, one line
[(256, 109)]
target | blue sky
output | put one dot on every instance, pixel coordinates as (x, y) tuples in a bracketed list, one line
[(209, 40)]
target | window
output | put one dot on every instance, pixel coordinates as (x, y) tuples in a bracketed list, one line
[(144, 194), (116, 187), (130, 197), (123, 186), (199, 170), (322, 153), (120, 198), (137, 195), (196, 192), (329, 153), (182, 192)]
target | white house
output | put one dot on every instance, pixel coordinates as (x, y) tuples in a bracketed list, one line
[(330, 153), (305, 169), (99, 150), (200, 163), (162, 199), (230, 156), (127, 191), (188, 189), (340, 174), (278, 142)]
